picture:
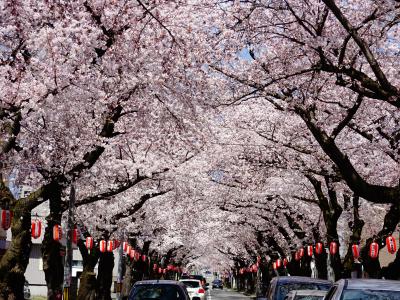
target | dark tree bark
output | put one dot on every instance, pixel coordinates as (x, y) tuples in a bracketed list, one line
[(356, 227), (294, 267), (14, 262), (129, 279), (53, 259), (331, 211), (88, 281), (105, 275), (360, 187), (321, 260)]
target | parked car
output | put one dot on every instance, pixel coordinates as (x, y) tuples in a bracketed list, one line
[(355, 289), (306, 295), (197, 277), (159, 289), (217, 284), (280, 286), (194, 288), (27, 291)]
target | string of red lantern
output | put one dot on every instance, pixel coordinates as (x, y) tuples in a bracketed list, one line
[(6, 218), (36, 228)]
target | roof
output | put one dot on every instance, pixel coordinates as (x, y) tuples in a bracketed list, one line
[(368, 284), (301, 279), (190, 279), (173, 282)]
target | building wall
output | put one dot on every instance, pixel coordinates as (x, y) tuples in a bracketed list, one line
[(34, 273)]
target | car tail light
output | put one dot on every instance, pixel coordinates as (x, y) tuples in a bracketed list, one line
[(201, 291)]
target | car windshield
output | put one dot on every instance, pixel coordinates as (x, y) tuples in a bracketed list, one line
[(370, 294), (156, 291), (191, 283), (216, 281), (285, 288)]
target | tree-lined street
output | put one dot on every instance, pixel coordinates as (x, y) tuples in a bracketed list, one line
[(225, 295)]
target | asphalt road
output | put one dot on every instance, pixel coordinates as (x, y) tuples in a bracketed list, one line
[(225, 295)]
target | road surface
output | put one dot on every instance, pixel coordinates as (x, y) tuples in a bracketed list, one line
[(225, 295)]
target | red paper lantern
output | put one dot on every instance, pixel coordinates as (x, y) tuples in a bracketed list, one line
[(319, 248), (374, 250), (36, 228), (57, 233), (241, 271), (144, 257), (309, 250), (391, 244), (125, 246), (89, 243), (103, 246), (164, 271), (159, 270), (169, 267), (117, 243), (274, 265), (297, 256), (301, 252), (254, 268), (285, 262), (355, 249), (6, 218), (155, 267), (75, 235), (110, 246), (333, 248), (278, 263)]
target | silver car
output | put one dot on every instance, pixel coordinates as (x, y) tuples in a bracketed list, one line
[(280, 286), (355, 289)]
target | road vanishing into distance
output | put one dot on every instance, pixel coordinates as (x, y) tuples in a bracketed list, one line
[(214, 294)]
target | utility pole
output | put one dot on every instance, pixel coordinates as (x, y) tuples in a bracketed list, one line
[(120, 267), (68, 256)]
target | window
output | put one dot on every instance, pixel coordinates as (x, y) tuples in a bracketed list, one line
[(191, 283), (157, 291), (370, 294)]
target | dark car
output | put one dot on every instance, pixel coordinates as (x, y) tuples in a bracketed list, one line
[(158, 289), (280, 286), (217, 284), (354, 289)]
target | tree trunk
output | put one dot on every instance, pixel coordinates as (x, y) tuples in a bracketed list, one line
[(52, 251), (105, 276), (15, 260), (356, 227), (128, 279), (293, 266), (322, 265), (88, 282), (392, 270)]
